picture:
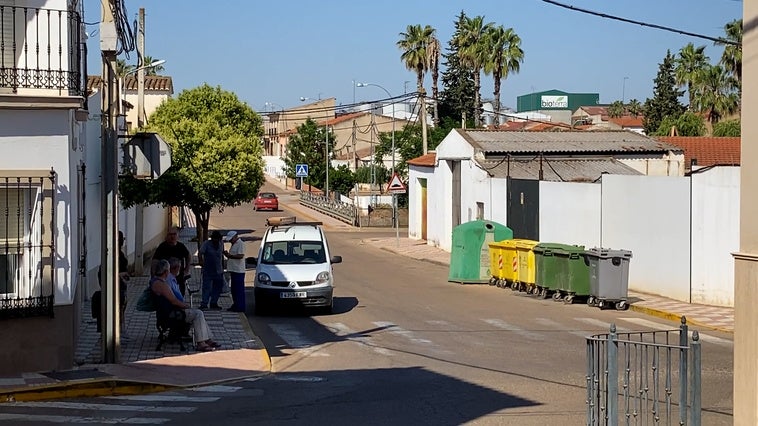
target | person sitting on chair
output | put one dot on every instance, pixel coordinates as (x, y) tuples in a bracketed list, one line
[(167, 301), (175, 267)]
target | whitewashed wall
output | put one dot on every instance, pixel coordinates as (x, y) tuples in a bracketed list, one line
[(415, 175), (499, 203), (665, 165), (476, 188), (273, 166), (93, 203), (41, 140), (650, 215), (715, 234), (570, 213), (439, 207)]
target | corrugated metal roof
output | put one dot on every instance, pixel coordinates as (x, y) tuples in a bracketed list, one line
[(557, 170), (497, 141)]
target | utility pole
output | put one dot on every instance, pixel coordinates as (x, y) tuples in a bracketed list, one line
[(139, 208), (422, 97), (111, 100)]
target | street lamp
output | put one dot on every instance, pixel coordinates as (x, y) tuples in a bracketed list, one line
[(326, 147), (122, 80), (623, 90), (394, 199)]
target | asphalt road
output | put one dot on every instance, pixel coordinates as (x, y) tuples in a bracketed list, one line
[(404, 346)]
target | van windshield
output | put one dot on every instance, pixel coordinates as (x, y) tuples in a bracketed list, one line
[(293, 252)]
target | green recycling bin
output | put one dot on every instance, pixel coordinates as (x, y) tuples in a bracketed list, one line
[(551, 273), (575, 268), (470, 254), (609, 277)]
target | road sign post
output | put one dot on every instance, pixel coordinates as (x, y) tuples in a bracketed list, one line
[(396, 186), (301, 171)]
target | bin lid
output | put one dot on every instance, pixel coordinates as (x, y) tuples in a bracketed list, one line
[(508, 244), (525, 244), (606, 252), (497, 244)]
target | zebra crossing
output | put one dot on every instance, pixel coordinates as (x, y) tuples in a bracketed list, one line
[(541, 329), (151, 409)]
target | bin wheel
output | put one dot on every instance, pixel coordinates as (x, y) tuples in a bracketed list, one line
[(621, 305), (543, 293), (498, 283), (492, 281), (557, 296), (591, 301), (529, 289), (569, 299), (514, 286)]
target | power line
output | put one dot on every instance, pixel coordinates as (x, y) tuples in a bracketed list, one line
[(644, 24)]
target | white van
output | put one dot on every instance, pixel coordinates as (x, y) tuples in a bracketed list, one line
[(294, 267)]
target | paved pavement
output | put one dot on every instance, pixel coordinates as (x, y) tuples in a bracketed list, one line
[(242, 355)]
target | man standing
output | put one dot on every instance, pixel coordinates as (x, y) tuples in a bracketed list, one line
[(211, 258), (236, 267), (173, 248)]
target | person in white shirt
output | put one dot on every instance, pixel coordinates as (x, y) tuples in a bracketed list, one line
[(235, 264)]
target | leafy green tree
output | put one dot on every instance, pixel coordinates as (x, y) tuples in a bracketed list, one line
[(122, 68), (616, 109), (665, 100), (731, 58), (472, 51), (216, 149), (688, 66), (375, 172), (686, 124), (716, 93), (307, 146), (408, 143), (457, 98), (342, 179), (727, 128), (505, 56), (634, 107)]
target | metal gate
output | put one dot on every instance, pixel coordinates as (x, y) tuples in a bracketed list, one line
[(641, 378), (524, 208)]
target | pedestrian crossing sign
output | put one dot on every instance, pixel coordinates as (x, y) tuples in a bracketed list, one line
[(301, 170)]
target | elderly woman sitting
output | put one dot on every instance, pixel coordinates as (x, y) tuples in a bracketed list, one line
[(168, 300)]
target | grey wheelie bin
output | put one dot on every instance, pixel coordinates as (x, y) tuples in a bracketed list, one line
[(609, 277)]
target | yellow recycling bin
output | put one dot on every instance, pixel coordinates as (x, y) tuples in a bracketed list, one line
[(526, 265), (501, 263)]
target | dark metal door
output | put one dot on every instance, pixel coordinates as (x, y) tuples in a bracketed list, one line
[(524, 208)]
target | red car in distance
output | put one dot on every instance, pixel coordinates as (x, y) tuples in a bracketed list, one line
[(266, 201)]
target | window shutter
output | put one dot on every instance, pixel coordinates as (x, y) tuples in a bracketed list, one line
[(13, 218)]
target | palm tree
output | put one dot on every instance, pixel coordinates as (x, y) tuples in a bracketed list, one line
[(433, 51), (506, 56), (414, 42), (147, 60), (473, 55), (634, 107), (731, 59), (691, 62), (122, 68), (616, 109), (715, 93)]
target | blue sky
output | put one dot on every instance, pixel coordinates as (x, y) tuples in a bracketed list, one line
[(280, 51)]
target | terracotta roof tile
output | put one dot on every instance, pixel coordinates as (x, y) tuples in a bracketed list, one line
[(155, 83), (627, 121), (427, 160), (707, 151), (595, 110)]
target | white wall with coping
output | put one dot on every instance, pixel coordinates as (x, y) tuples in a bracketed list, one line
[(570, 213), (650, 215), (715, 234)]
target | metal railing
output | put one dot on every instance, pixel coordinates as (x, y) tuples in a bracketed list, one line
[(41, 49), (345, 212), (640, 378), (27, 249)]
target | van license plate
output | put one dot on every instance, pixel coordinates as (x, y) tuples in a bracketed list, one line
[(293, 295)]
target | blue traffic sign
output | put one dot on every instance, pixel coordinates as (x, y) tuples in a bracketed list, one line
[(301, 170)]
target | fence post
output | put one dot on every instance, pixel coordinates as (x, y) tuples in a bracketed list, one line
[(696, 379), (590, 377), (683, 343), (612, 379)]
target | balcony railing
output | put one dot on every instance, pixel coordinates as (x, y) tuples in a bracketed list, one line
[(42, 52)]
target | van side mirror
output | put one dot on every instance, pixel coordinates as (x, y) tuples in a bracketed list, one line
[(251, 262), (336, 259)]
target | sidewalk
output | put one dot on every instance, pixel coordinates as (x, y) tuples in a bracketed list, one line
[(710, 317), (143, 369)]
